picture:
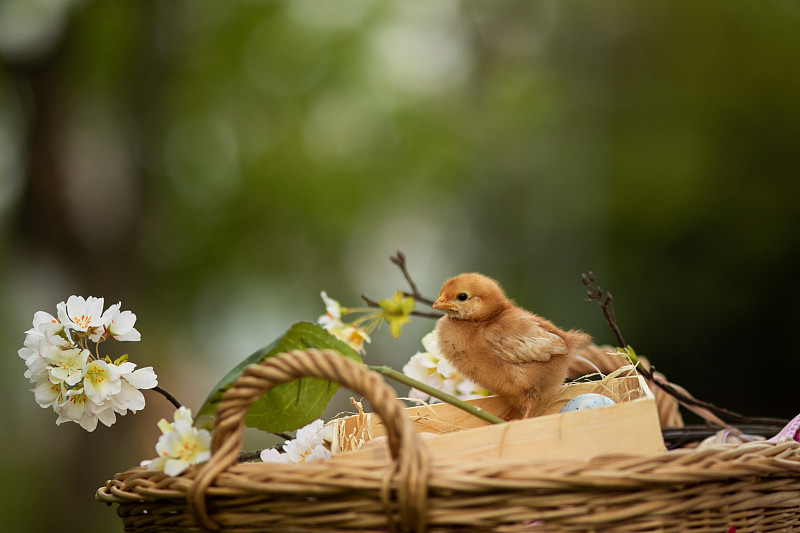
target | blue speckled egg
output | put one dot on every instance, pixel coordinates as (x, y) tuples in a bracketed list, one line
[(587, 401)]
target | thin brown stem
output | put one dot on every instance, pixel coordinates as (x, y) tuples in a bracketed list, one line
[(249, 456), (399, 259), (679, 437), (606, 303), (163, 392), (727, 414)]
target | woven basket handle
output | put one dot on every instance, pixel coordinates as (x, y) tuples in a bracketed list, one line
[(409, 472)]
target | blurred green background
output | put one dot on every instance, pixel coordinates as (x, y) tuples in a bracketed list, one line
[(214, 165)]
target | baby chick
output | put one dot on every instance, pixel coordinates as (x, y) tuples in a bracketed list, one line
[(519, 356)]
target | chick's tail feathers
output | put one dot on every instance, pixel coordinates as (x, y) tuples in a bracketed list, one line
[(577, 340)]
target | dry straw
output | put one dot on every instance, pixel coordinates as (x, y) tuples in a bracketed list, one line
[(754, 486)]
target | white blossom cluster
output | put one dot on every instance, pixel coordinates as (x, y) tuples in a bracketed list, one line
[(432, 369), (346, 332), (311, 443), (81, 386), (180, 445)]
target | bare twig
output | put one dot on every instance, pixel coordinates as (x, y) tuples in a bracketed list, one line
[(246, 456), (680, 437), (727, 414), (606, 304), (399, 259), (700, 432), (249, 456), (163, 392)]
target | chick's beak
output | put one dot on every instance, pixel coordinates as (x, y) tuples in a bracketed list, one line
[(440, 303)]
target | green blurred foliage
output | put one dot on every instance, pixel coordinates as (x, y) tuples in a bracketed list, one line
[(214, 165)]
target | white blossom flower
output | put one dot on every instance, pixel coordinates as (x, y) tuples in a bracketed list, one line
[(422, 367), (308, 445), (130, 397), (30, 348), (77, 408), (311, 432), (296, 452), (299, 452), (180, 445), (467, 390), (46, 332), (81, 314), (332, 322), (80, 386), (271, 455), (430, 368), (431, 344), (143, 378), (104, 412), (101, 380), (49, 394), (119, 324), (66, 365), (35, 362), (327, 434), (41, 319), (333, 309)]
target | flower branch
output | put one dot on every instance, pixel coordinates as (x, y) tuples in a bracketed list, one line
[(399, 259), (78, 383), (375, 304)]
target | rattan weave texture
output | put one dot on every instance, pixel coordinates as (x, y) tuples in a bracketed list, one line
[(754, 486)]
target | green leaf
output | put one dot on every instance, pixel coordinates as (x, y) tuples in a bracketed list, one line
[(630, 354), (290, 405)]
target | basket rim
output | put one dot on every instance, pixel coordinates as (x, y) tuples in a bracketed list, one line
[(681, 466), (404, 488)]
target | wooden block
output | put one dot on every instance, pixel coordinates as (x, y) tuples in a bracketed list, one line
[(629, 427)]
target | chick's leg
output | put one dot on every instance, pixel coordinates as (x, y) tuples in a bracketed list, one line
[(531, 403), (509, 413)]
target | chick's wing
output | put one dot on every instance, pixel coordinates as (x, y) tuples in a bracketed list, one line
[(520, 338)]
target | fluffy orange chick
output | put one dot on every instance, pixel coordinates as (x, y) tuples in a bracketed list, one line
[(519, 356)]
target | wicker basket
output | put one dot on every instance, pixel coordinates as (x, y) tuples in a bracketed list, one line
[(755, 486)]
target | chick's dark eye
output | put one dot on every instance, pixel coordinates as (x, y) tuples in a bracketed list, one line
[(462, 296)]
